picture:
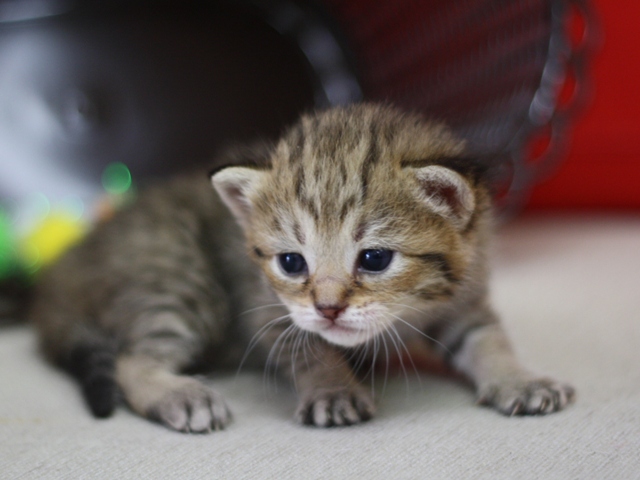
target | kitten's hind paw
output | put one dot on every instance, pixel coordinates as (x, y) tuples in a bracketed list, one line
[(527, 397), (194, 408), (332, 408)]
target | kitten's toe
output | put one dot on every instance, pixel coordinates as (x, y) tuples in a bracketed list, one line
[(328, 408), (527, 397), (193, 408)]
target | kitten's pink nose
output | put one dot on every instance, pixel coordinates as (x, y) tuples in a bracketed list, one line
[(330, 312)]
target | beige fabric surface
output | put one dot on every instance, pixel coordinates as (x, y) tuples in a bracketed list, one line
[(568, 289)]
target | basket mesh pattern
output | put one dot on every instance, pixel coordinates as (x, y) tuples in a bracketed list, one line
[(492, 69)]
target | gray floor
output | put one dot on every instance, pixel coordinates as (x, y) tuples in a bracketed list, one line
[(569, 291)]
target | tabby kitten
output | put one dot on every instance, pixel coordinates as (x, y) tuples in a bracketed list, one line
[(362, 225)]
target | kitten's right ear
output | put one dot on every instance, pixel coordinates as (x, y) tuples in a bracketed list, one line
[(447, 193), (236, 186)]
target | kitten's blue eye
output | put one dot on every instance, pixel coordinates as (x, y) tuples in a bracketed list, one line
[(292, 263), (374, 260)]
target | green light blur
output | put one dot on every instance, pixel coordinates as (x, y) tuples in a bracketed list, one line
[(116, 178), (7, 246)]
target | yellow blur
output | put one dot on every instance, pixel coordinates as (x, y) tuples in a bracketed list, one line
[(50, 238)]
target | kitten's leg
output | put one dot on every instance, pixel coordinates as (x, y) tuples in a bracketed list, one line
[(148, 375), (329, 392), (483, 353)]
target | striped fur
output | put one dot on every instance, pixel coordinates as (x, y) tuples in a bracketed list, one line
[(173, 282)]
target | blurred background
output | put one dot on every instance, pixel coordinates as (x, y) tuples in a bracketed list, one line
[(601, 169), (98, 97)]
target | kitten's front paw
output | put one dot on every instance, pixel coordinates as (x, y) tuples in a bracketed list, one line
[(192, 408), (538, 396), (335, 407)]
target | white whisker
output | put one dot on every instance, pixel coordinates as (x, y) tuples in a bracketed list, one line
[(294, 355), (272, 305), (270, 358), (363, 350), (305, 348), (386, 370), (376, 347), (404, 305), (406, 350), (259, 335), (428, 337), (399, 353), (286, 343)]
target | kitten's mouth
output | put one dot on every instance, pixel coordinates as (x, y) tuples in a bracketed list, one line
[(343, 335), (334, 327), (341, 332)]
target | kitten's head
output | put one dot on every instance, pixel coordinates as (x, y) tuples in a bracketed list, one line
[(356, 212)]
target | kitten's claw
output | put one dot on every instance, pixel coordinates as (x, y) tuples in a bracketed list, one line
[(527, 397), (329, 408), (194, 408)]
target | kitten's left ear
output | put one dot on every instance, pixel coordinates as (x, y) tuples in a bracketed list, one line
[(235, 185), (447, 193)]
